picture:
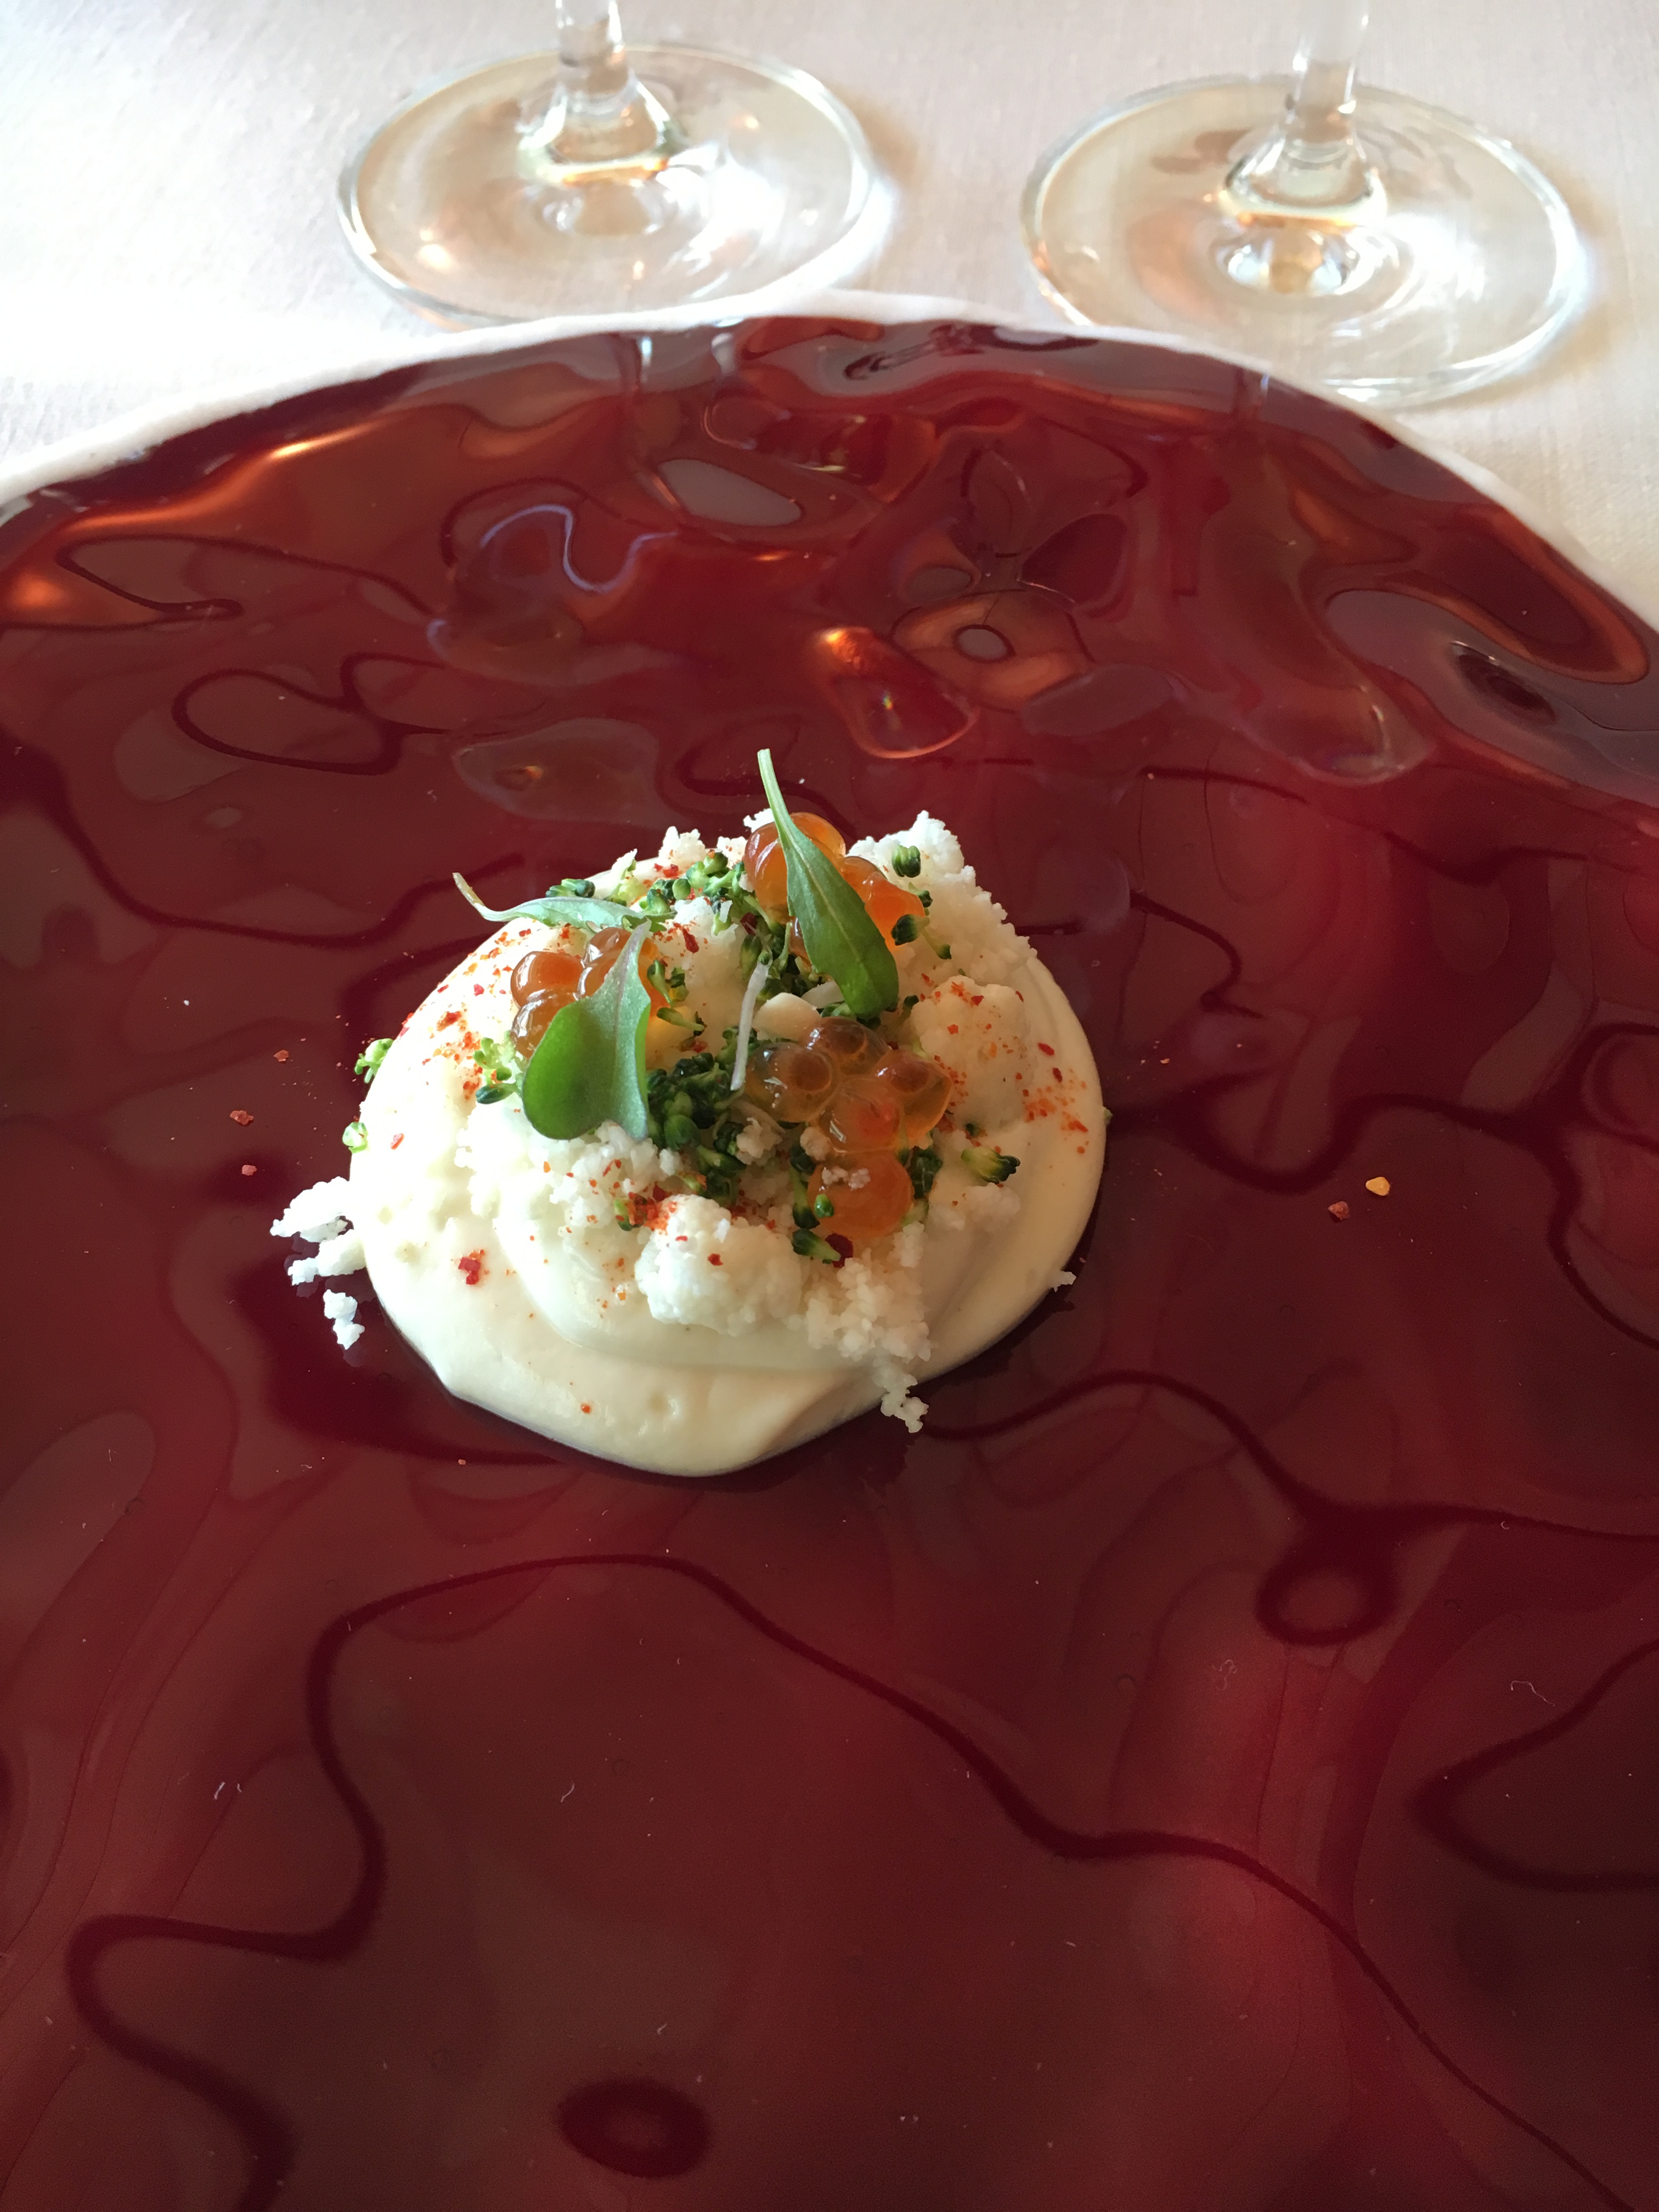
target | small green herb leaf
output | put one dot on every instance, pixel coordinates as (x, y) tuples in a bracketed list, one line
[(839, 938), (590, 1065), (554, 909)]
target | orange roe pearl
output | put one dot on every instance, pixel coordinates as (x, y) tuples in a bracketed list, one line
[(603, 947), (852, 1048), (863, 1118), (920, 1090), (551, 968), (601, 957), (870, 1192), (534, 1018), (885, 902), (790, 1080), (767, 868)]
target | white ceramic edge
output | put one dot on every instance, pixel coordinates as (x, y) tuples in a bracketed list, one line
[(127, 436)]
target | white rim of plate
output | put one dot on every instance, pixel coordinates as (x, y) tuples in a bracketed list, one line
[(127, 437)]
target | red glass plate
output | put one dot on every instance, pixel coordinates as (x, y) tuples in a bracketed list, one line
[(1213, 1766)]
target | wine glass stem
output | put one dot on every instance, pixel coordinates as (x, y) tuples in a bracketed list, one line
[(599, 117), (1312, 164)]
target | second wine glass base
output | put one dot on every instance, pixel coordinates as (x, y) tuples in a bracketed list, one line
[(448, 205), (1462, 268)]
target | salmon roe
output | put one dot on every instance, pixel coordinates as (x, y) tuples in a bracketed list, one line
[(600, 958), (534, 1018), (550, 969), (850, 1048), (548, 979), (870, 1100), (885, 902), (791, 1081), (869, 1194), (542, 982), (766, 867), (863, 1118), (919, 1090)]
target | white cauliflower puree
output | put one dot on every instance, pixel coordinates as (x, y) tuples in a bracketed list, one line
[(578, 1288)]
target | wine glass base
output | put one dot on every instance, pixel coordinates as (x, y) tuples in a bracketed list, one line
[(1460, 269), (451, 207)]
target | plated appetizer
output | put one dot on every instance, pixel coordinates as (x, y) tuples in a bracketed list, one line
[(694, 1158)]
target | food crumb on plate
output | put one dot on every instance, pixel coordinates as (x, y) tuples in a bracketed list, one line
[(342, 1311)]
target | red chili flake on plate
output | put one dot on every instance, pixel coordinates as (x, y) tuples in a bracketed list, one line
[(587, 1409), (282, 1055), (396, 1141), (248, 1167), (471, 1265), (1048, 1048), (240, 1115), (715, 1260), (1340, 1210), (477, 990), (453, 1015)]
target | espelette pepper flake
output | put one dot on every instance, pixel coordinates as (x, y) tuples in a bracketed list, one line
[(241, 1117), (1339, 1212)]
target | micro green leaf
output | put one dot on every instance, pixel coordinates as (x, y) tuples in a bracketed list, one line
[(554, 910), (841, 940), (590, 1065)]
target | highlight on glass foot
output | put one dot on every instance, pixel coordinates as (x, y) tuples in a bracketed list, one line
[(597, 179), (1354, 238)]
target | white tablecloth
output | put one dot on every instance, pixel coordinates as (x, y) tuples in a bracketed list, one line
[(167, 168)]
